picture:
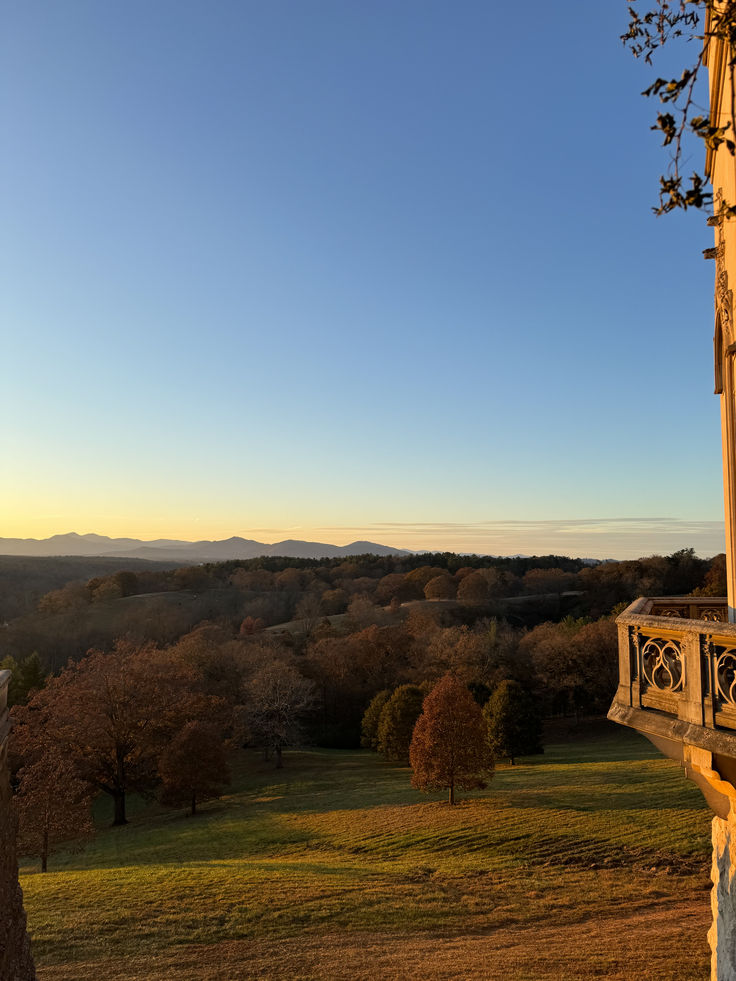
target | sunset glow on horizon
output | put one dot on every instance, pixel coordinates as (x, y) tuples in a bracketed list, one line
[(288, 279)]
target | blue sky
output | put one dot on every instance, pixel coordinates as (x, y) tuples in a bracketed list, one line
[(340, 270)]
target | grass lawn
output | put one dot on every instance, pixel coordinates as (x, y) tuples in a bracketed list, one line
[(590, 861)]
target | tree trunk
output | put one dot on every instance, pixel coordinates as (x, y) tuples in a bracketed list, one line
[(119, 801), (45, 846), (452, 793), (119, 793), (194, 802), (279, 762)]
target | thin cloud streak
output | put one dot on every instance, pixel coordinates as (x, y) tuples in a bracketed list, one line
[(591, 538)]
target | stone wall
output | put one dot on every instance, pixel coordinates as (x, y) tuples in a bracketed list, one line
[(16, 963), (722, 934)]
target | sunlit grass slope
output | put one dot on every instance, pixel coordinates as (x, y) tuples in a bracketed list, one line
[(591, 861)]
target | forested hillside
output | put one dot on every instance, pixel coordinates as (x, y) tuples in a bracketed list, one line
[(354, 628), (23, 581)]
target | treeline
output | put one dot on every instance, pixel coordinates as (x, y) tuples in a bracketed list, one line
[(161, 605), (25, 579), (568, 667)]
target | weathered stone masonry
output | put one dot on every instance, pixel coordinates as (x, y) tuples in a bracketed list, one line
[(16, 963)]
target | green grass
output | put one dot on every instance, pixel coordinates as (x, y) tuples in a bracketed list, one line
[(300, 872)]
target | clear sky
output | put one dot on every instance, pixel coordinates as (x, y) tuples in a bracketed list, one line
[(335, 269)]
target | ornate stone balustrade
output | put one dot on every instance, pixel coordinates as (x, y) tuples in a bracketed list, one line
[(677, 684), (678, 656), (711, 608)]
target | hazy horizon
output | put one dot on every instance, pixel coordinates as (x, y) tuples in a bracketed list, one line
[(597, 538)]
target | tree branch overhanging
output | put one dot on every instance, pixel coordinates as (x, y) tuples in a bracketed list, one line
[(711, 23)]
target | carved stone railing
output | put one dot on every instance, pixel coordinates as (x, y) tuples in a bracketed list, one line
[(711, 608), (677, 655)]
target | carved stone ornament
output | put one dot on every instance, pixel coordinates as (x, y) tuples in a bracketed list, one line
[(725, 675), (713, 614), (634, 653), (724, 296), (662, 665)]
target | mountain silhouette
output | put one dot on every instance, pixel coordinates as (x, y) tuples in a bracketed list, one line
[(167, 549)]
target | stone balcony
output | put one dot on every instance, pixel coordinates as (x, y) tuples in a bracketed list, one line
[(677, 686)]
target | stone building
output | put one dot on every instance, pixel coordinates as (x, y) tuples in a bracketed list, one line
[(677, 655), (15, 952)]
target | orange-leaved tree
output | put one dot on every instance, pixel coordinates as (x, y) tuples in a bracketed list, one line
[(193, 767), (53, 806), (111, 715), (449, 747)]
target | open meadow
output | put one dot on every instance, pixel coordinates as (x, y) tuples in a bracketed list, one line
[(590, 861)]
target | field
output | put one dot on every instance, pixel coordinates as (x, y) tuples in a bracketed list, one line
[(590, 861)]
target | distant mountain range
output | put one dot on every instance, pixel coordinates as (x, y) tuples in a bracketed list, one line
[(170, 550)]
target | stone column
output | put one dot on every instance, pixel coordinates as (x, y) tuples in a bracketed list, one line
[(728, 439), (16, 963), (722, 934)]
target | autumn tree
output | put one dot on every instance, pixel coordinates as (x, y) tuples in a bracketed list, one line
[(442, 587), (391, 587), (371, 718), (397, 720), (714, 583), (576, 663), (251, 625), (308, 610), (417, 579), (193, 767), (596, 647), (362, 612), (73, 596), (292, 580), (449, 748), (514, 722), (334, 602), (112, 714), (191, 577), (127, 581), (348, 670), (107, 589), (485, 652), (538, 581), (210, 651), (53, 806), (473, 589), (278, 698)]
